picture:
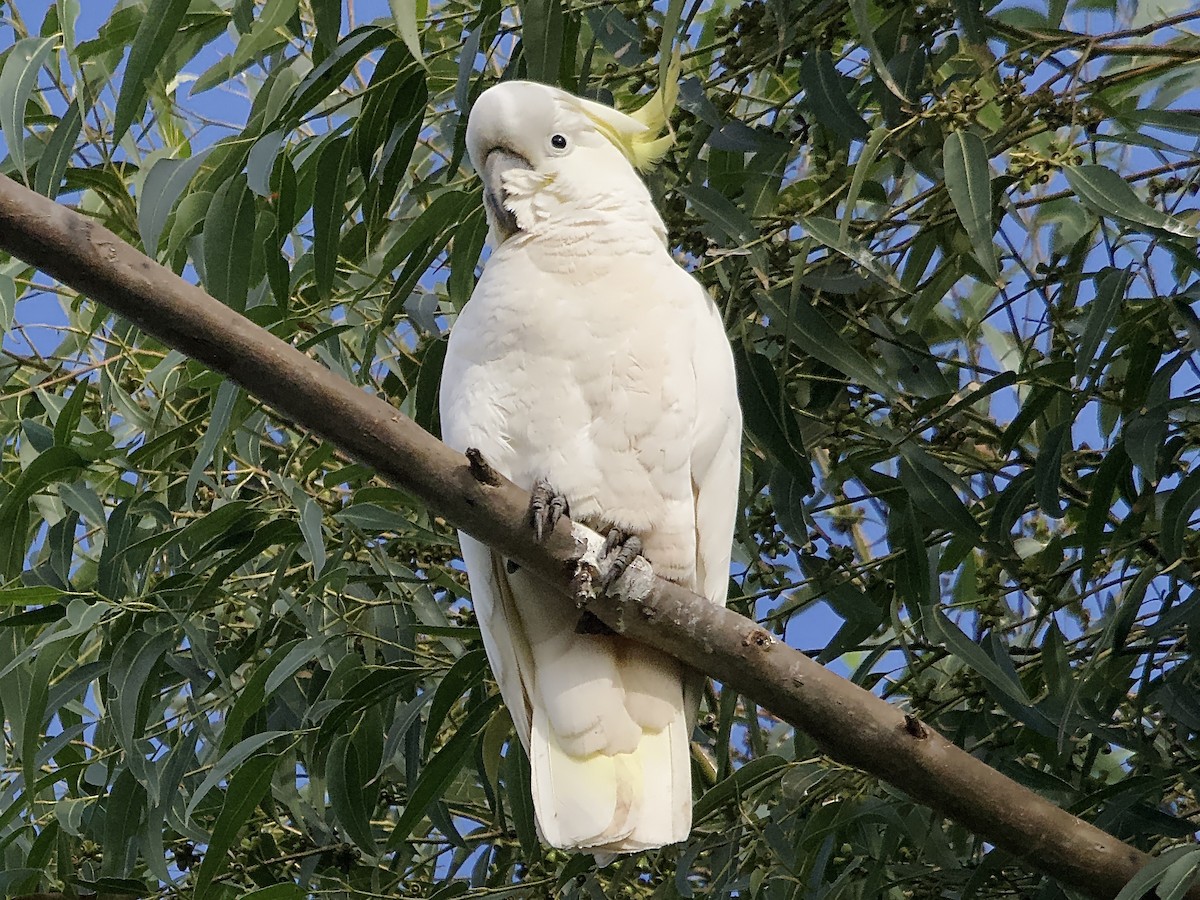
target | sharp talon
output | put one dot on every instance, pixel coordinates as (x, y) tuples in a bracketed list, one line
[(589, 623), (511, 567), (627, 547), (546, 507)]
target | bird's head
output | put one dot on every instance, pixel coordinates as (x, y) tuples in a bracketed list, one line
[(524, 137)]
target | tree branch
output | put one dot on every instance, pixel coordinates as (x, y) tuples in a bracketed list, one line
[(850, 724)]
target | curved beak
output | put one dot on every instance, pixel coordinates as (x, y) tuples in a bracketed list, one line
[(498, 161)]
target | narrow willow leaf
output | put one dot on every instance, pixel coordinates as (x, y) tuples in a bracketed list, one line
[(826, 90), (1101, 488), (130, 672), (1047, 470), (1111, 287), (860, 9), (518, 793), (1110, 195), (345, 776), (18, 78), (227, 396), (407, 14), (441, 770), (728, 219), (237, 755), (228, 233), (248, 787), (267, 32), (328, 76), (329, 200), (809, 329), (542, 38), (55, 464), (975, 658), (769, 418), (746, 778), (828, 232), (911, 570), (465, 674), (164, 184), (154, 37), (935, 496), (1153, 873), (1177, 513), (866, 160), (53, 161), (968, 181)]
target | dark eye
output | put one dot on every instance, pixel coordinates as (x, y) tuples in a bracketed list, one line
[(558, 141)]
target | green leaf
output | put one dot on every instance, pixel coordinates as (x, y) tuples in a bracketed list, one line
[(517, 792), (55, 464), (441, 770), (164, 184), (227, 397), (828, 232), (466, 672), (267, 32), (929, 487), (1100, 489), (826, 89), (18, 78), (53, 162), (1154, 873), (730, 222), (968, 181), (282, 891), (1177, 512), (1047, 469), (809, 329), (155, 34), (228, 235), (1109, 194), (346, 777), (407, 15), (247, 789), (974, 657), (541, 38), (238, 755), (863, 166), (329, 201), (860, 9), (1111, 287), (746, 778), (911, 570), (768, 416)]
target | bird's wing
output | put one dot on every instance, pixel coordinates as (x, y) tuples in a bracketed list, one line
[(716, 454), (503, 638)]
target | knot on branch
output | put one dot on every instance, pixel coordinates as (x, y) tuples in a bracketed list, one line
[(757, 637), (913, 726), (481, 469)]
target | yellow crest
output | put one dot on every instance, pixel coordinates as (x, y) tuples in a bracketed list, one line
[(637, 134)]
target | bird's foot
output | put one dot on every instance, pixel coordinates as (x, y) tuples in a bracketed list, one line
[(622, 549), (546, 507)]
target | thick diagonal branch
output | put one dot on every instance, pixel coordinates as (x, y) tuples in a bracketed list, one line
[(851, 724)]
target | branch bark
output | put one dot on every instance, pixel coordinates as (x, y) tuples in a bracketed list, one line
[(850, 724)]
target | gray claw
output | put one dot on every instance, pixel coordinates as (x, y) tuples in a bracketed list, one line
[(624, 549), (546, 507)]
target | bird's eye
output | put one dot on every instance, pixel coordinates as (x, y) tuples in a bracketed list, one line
[(558, 141)]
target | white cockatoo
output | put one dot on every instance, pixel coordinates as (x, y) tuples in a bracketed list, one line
[(591, 369)]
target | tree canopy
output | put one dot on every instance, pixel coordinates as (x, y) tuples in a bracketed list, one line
[(956, 250)]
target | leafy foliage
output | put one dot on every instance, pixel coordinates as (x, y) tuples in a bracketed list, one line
[(956, 250)]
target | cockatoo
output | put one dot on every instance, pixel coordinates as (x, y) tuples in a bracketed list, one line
[(592, 369)]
